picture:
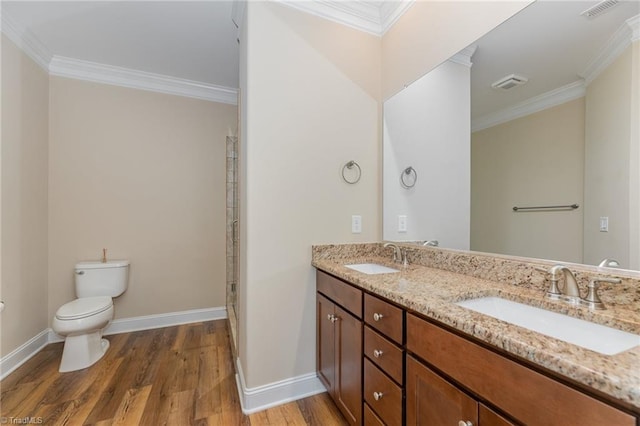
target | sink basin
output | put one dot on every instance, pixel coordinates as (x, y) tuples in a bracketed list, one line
[(598, 338), (371, 268)]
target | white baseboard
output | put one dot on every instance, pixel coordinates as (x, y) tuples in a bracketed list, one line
[(19, 356), (262, 397)]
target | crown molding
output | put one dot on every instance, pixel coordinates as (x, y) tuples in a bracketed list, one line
[(368, 16), (107, 74), (463, 57), (628, 33), (558, 96), (25, 40), (125, 77)]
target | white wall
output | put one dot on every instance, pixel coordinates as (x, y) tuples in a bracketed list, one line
[(311, 104), (25, 109), (427, 126), (611, 160)]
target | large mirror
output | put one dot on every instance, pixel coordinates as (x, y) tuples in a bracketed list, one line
[(544, 164)]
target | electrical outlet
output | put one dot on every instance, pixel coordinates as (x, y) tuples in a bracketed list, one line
[(402, 223), (356, 224)]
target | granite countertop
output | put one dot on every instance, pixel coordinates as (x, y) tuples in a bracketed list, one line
[(433, 293)]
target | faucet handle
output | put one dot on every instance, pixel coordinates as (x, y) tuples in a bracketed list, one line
[(405, 261), (592, 300), (541, 269), (553, 292)]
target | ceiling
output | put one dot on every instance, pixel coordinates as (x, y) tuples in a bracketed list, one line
[(192, 40), (550, 44)]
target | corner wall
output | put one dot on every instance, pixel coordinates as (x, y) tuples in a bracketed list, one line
[(24, 179)]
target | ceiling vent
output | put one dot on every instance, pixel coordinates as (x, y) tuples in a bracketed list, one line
[(509, 82), (599, 8)]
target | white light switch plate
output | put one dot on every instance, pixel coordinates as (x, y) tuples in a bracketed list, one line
[(402, 223), (356, 224), (604, 224)]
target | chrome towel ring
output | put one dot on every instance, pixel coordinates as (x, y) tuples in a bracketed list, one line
[(352, 165), (408, 177)]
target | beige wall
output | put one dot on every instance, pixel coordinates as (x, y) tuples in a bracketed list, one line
[(430, 32), (312, 104), (535, 160), (24, 168), (142, 174), (634, 161), (611, 160)]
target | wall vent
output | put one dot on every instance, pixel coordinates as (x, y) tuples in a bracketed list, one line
[(509, 82), (599, 8)]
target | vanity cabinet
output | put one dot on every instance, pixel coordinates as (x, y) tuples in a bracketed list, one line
[(339, 344), (527, 396), (383, 360)]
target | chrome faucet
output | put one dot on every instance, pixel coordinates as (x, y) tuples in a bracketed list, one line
[(431, 243), (570, 291), (399, 255)]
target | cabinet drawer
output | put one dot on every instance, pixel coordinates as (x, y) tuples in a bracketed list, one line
[(383, 353), (340, 292), (388, 406), (384, 317), (500, 381), (370, 418), (488, 417)]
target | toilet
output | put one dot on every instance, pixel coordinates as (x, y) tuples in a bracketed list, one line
[(82, 321)]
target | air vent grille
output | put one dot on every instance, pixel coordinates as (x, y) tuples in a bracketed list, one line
[(599, 8), (509, 82)]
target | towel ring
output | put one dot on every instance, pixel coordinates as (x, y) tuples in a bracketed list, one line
[(406, 173), (350, 165)]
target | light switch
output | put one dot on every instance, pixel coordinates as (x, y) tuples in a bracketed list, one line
[(356, 224), (604, 224), (402, 223)]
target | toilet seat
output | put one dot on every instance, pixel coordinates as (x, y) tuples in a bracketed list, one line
[(84, 307)]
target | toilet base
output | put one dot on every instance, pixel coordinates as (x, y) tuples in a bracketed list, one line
[(82, 351)]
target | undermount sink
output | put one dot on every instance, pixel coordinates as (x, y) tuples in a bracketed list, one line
[(371, 268), (596, 337)]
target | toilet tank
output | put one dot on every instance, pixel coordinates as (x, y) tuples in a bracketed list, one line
[(102, 279)]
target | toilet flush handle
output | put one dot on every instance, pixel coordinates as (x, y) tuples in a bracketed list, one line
[(80, 272)]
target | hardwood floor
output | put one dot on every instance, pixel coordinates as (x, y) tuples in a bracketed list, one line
[(171, 376)]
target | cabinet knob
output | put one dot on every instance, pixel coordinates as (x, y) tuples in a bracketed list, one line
[(378, 396), (377, 353), (329, 317), (334, 318), (465, 423), (377, 316)]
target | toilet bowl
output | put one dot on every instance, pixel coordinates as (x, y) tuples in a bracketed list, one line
[(83, 320)]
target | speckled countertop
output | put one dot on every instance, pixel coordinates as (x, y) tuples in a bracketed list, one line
[(436, 279)]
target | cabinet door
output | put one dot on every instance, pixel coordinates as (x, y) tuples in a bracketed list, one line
[(488, 417), (348, 350), (325, 342), (431, 400)]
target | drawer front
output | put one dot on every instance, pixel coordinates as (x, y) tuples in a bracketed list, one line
[(340, 292), (383, 353), (500, 381), (371, 418), (488, 417), (384, 317), (388, 406)]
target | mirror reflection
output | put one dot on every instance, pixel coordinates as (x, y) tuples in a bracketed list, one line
[(559, 128)]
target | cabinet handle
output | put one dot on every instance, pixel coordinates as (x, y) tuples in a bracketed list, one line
[(465, 423), (377, 316), (377, 396), (377, 353), (334, 318)]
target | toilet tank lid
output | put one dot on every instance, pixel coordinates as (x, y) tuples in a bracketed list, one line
[(95, 264)]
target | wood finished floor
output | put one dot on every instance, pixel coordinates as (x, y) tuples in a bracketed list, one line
[(171, 376)]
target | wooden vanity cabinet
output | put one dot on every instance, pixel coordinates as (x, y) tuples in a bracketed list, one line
[(527, 396), (339, 344)]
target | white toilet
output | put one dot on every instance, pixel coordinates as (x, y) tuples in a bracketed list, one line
[(82, 320)]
